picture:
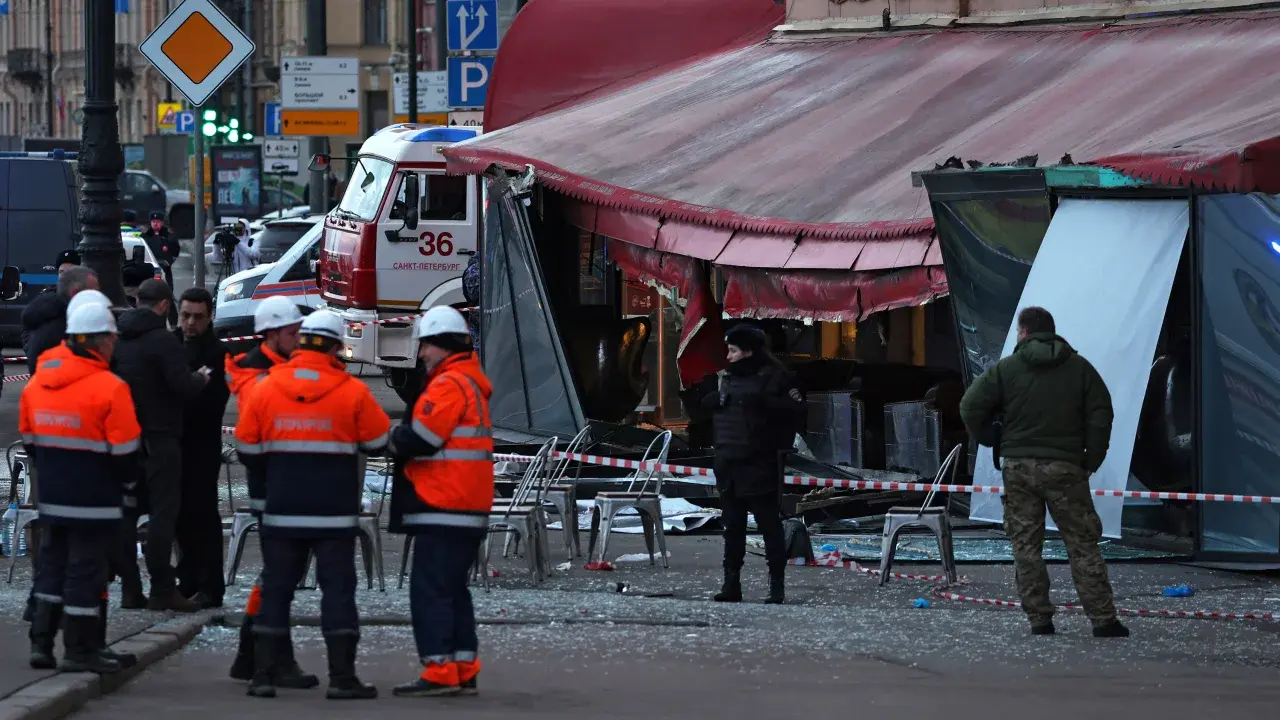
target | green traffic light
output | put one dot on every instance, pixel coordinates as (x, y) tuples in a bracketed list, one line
[(247, 136), (210, 115), (234, 123), (223, 129), (209, 129), (233, 136)]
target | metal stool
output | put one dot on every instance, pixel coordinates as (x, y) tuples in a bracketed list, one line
[(934, 519), (525, 514), (646, 502)]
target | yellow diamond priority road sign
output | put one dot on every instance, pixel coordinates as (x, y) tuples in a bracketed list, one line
[(197, 48)]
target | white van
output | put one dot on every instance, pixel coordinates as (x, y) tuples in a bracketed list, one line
[(292, 276)]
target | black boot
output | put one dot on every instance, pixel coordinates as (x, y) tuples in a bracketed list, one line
[(343, 683), (29, 615), (287, 673), (80, 635), (45, 619), (732, 589), (1113, 629), (126, 660), (242, 666), (264, 659), (776, 594)]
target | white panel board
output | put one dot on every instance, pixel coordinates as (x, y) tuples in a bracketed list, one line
[(1105, 271)]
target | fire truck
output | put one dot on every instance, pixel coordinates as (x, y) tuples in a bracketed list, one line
[(397, 243)]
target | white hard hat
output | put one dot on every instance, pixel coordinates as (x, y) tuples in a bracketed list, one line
[(91, 319), (441, 320), (274, 313), (323, 323), (87, 297)]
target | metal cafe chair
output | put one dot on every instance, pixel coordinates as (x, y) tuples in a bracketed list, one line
[(22, 477), (563, 496), (525, 514), (928, 516), (647, 502)]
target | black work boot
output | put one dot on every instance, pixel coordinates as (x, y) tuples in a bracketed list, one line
[(1044, 628), (242, 666), (126, 660), (1113, 629), (287, 673), (264, 658), (776, 588), (343, 683), (80, 635), (45, 619), (731, 591)]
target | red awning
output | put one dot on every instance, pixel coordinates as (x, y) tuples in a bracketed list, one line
[(817, 139), (828, 296), (559, 52)]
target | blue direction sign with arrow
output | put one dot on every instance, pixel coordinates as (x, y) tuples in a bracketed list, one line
[(473, 25)]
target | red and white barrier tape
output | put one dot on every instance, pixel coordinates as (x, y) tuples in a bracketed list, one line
[(807, 481), (833, 560), (383, 321)]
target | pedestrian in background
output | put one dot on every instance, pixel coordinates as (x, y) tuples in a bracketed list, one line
[(1055, 427), (757, 408), (154, 364), (443, 500), (77, 421), (44, 321), (302, 431), (199, 534)]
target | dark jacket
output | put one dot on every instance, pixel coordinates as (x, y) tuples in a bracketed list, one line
[(163, 245), (754, 421), (202, 416), (44, 323), (154, 364), (1053, 404)]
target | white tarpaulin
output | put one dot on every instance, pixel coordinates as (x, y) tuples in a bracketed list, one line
[(1105, 271)]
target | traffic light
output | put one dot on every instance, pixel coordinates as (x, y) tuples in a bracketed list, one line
[(208, 123), (224, 127)]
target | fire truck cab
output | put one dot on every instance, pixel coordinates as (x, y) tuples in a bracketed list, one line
[(398, 241)]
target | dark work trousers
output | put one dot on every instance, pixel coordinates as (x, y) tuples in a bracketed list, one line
[(73, 567), (767, 509), (444, 621), (162, 467), (285, 561), (199, 532)]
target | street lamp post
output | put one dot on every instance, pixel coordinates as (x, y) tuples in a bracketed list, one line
[(101, 160)]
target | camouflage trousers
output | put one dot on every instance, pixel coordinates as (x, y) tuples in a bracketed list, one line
[(1030, 486)]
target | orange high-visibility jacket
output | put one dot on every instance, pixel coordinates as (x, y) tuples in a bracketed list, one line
[(243, 372), (78, 422), (453, 485), (302, 430)]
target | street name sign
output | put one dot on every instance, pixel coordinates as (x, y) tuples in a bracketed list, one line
[(197, 48)]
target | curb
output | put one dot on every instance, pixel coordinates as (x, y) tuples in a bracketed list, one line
[(61, 694)]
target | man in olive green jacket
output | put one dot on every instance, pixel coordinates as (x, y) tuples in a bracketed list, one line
[(1055, 425)]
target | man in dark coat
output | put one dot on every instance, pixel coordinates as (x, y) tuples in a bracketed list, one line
[(154, 364), (199, 533), (1055, 429), (756, 411), (44, 321), (166, 248)]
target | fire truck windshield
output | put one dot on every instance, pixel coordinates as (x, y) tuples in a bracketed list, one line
[(365, 189)]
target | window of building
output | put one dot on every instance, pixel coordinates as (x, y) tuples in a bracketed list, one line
[(375, 22)]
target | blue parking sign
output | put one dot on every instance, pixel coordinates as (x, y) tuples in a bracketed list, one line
[(185, 122), (4, 7), (469, 81), (271, 119)]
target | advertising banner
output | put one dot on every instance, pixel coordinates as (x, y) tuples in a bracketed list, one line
[(237, 181)]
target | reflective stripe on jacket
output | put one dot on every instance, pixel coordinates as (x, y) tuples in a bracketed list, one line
[(303, 429), (453, 486), (78, 422)]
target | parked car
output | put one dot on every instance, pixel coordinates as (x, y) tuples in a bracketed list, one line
[(293, 276)]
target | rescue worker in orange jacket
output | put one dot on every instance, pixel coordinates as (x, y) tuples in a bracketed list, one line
[(444, 500), (78, 422), (278, 320), (302, 432)]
